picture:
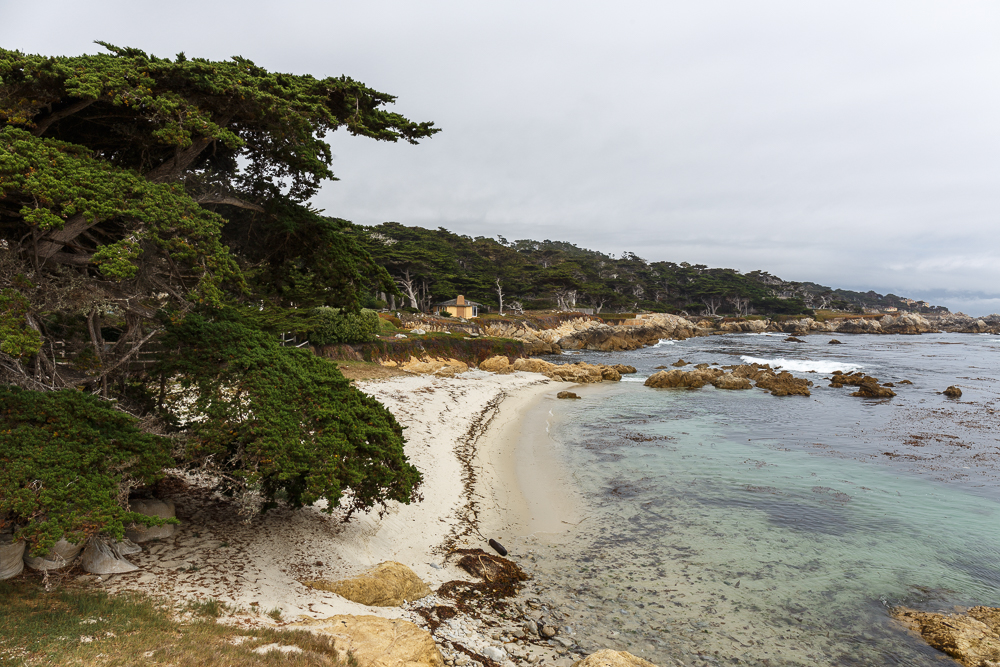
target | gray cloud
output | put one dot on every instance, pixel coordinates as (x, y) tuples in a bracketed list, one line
[(852, 143)]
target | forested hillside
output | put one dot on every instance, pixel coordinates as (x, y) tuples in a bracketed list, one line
[(430, 266)]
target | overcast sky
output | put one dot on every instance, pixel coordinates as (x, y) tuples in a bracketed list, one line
[(855, 144)]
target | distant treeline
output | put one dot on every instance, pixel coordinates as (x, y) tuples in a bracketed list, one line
[(432, 266)]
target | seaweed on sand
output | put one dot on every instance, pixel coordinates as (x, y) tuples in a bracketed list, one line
[(501, 578)]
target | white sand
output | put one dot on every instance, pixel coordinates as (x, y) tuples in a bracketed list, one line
[(258, 566)]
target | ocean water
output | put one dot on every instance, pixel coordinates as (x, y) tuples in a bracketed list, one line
[(736, 527)]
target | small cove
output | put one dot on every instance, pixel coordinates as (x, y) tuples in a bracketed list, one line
[(741, 528)]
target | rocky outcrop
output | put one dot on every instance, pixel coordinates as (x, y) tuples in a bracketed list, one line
[(973, 639), (681, 379), (388, 584), (647, 329), (439, 367), (609, 658), (784, 384), (581, 373), (378, 642), (624, 369), (870, 388), (962, 323), (953, 392), (743, 326), (566, 394), (730, 381)]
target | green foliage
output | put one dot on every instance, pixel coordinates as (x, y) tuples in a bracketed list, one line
[(333, 326), (67, 462), (282, 421), (17, 338)]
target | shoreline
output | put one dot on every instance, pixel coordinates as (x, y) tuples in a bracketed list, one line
[(256, 567)]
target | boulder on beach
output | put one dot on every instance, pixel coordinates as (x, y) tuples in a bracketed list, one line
[(498, 364), (388, 584), (440, 367), (972, 639), (377, 642), (953, 392), (533, 366), (566, 394), (624, 369), (610, 658)]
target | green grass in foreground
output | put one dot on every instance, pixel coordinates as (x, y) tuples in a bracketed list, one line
[(84, 627)]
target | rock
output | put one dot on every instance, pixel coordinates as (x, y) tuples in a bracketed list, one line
[(953, 392), (676, 378), (495, 654), (378, 642), (661, 367), (624, 369), (834, 341), (440, 367), (388, 584), (784, 384), (679, 363), (610, 374), (418, 332), (547, 631), (730, 381), (533, 366), (498, 364), (101, 556), (904, 382), (400, 335), (530, 628), (11, 556), (973, 639), (793, 339), (59, 556), (871, 389), (566, 394), (609, 658), (163, 509)]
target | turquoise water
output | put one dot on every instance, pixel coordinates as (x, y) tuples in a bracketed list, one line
[(741, 528)]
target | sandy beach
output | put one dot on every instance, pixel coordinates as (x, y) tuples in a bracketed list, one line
[(487, 472)]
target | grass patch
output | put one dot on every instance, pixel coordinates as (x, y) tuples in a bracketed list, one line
[(86, 627)]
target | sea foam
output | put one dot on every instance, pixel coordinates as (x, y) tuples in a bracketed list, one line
[(804, 365), (665, 341)]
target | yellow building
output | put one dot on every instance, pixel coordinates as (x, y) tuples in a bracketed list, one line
[(459, 307)]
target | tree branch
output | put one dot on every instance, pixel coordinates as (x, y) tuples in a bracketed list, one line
[(215, 198), (128, 354), (46, 122)]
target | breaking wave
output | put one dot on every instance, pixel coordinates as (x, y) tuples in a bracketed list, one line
[(804, 365)]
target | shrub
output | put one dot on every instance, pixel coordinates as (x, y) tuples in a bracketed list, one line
[(333, 326), (445, 313), (67, 463), (283, 423)]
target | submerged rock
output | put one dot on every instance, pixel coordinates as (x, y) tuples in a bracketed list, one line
[(679, 363), (388, 584), (973, 639), (870, 388), (378, 642), (566, 394), (793, 339), (953, 392), (834, 341), (609, 658)]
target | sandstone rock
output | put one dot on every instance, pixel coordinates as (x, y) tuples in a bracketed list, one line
[(440, 367), (834, 341), (163, 509), (498, 364), (566, 394), (547, 631), (378, 642), (730, 381), (388, 584), (904, 382), (678, 378), (953, 392), (59, 556), (793, 339), (784, 384), (870, 388), (610, 374), (970, 639), (533, 366), (679, 363), (624, 369), (610, 658)]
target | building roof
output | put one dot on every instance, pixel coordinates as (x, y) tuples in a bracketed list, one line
[(454, 302)]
